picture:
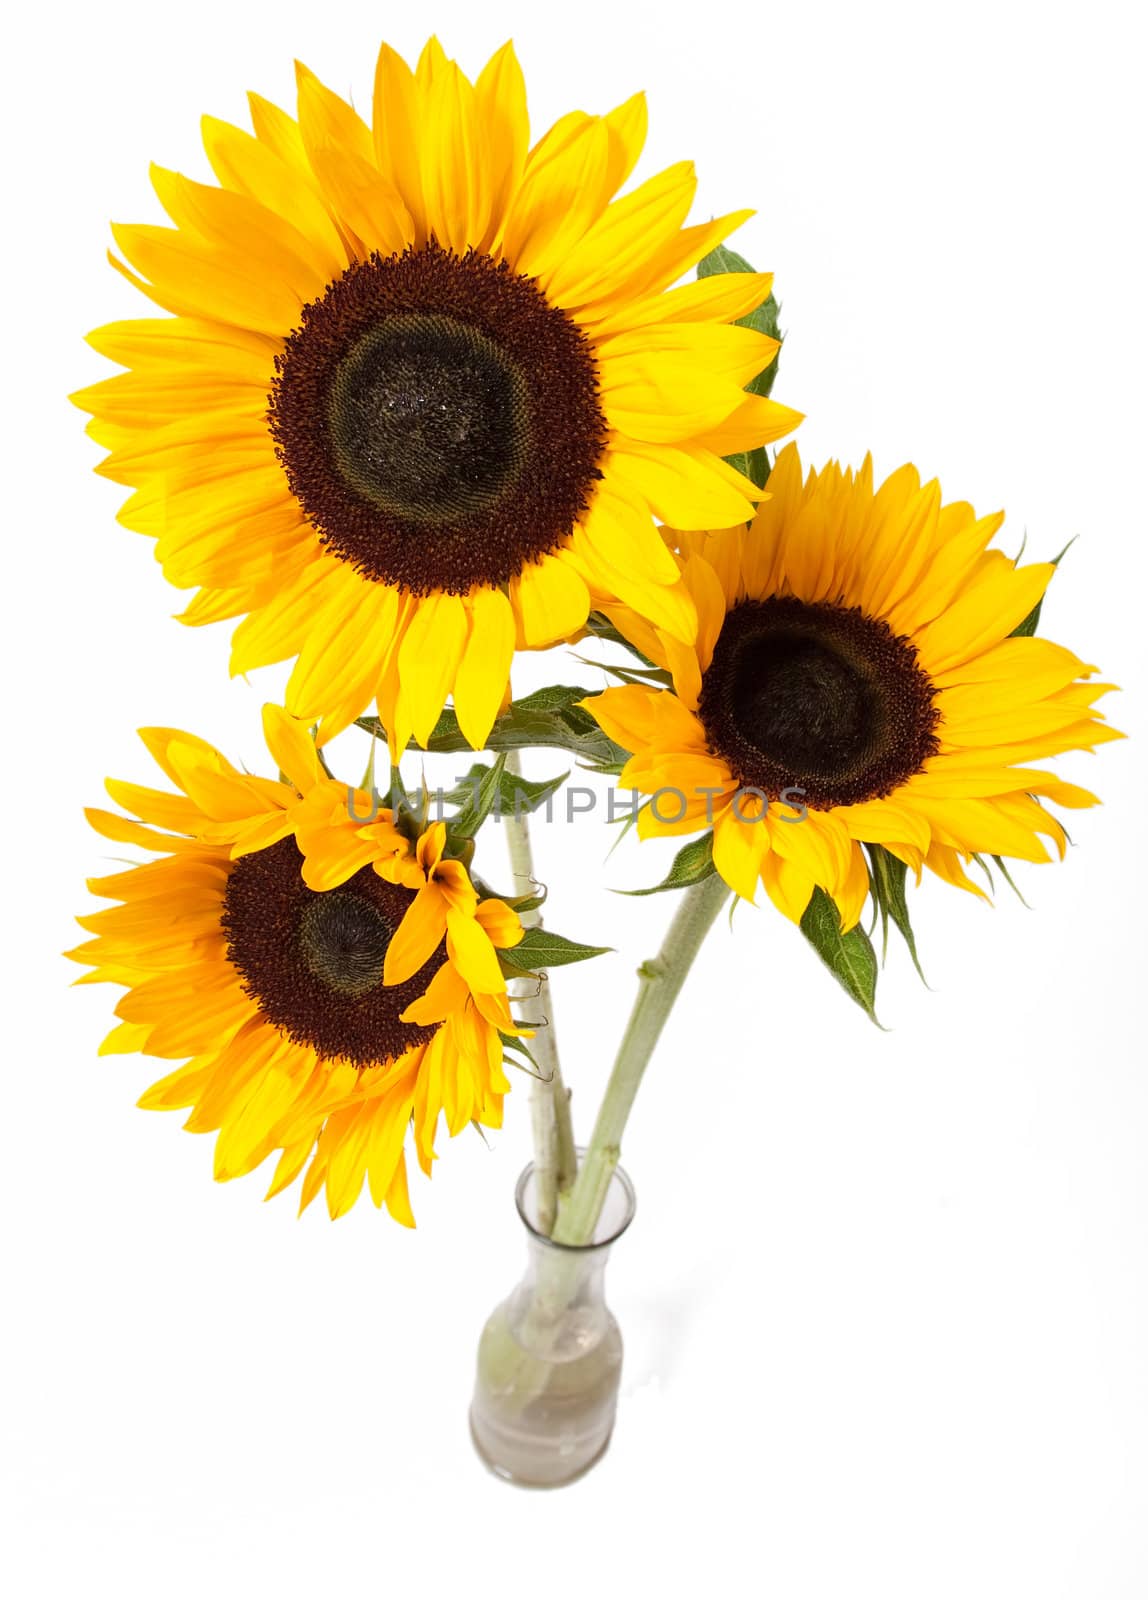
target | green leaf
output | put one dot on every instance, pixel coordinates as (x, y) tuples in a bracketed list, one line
[(539, 948), (753, 463), (514, 796), (550, 718), (528, 794), (478, 800), (850, 956), (1026, 629), (888, 877), (693, 863), (561, 698)]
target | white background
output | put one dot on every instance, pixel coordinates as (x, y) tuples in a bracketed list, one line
[(885, 1302)]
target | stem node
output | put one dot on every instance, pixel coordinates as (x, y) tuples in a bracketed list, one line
[(661, 980)]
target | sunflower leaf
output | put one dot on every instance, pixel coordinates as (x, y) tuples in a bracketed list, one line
[(548, 719), (478, 799), (513, 795), (693, 863), (539, 948), (887, 878), (850, 956), (763, 320)]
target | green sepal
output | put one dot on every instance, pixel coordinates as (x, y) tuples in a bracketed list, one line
[(1026, 629), (408, 811), (693, 863), (521, 903), (1007, 876), (754, 464), (988, 872), (539, 948), (532, 902), (887, 877), (602, 628), (643, 677), (516, 1046), (850, 956)]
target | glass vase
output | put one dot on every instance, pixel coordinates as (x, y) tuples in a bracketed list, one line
[(550, 1356)]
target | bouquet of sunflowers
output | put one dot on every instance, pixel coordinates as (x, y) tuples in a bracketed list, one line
[(422, 394)]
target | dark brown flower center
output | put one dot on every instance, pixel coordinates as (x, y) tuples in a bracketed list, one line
[(817, 698), (438, 420), (313, 962)]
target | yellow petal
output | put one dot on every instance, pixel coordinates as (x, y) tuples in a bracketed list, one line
[(453, 156), (684, 487), (292, 747), (551, 602), (562, 191), (429, 657), (740, 845), (397, 133), (986, 611), (502, 925), (622, 241), (500, 92), (472, 953), (484, 671), (192, 278), (418, 936)]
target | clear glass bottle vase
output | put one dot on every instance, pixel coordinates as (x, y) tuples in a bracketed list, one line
[(550, 1356)]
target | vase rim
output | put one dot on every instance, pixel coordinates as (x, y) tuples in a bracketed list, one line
[(621, 1187)]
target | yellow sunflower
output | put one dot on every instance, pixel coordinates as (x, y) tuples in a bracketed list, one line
[(422, 388), (855, 679), (331, 982)]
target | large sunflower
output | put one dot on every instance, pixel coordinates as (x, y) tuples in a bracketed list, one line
[(330, 982), (855, 680), (422, 388)]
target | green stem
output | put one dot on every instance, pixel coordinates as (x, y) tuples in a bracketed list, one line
[(660, 983), (555, 1160)]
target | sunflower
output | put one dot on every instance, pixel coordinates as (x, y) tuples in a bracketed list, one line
[(856, 679), (331, 982), (423, 388)]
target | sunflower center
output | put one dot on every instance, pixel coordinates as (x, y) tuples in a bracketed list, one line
[(438, 420), (817, 698), (313, 962), (429, 419), (343, 940)]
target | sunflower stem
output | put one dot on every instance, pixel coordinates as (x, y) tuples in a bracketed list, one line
[(660, 982), (555, 1159)]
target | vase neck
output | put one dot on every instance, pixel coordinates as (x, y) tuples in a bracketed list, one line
[(558, 1312)]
